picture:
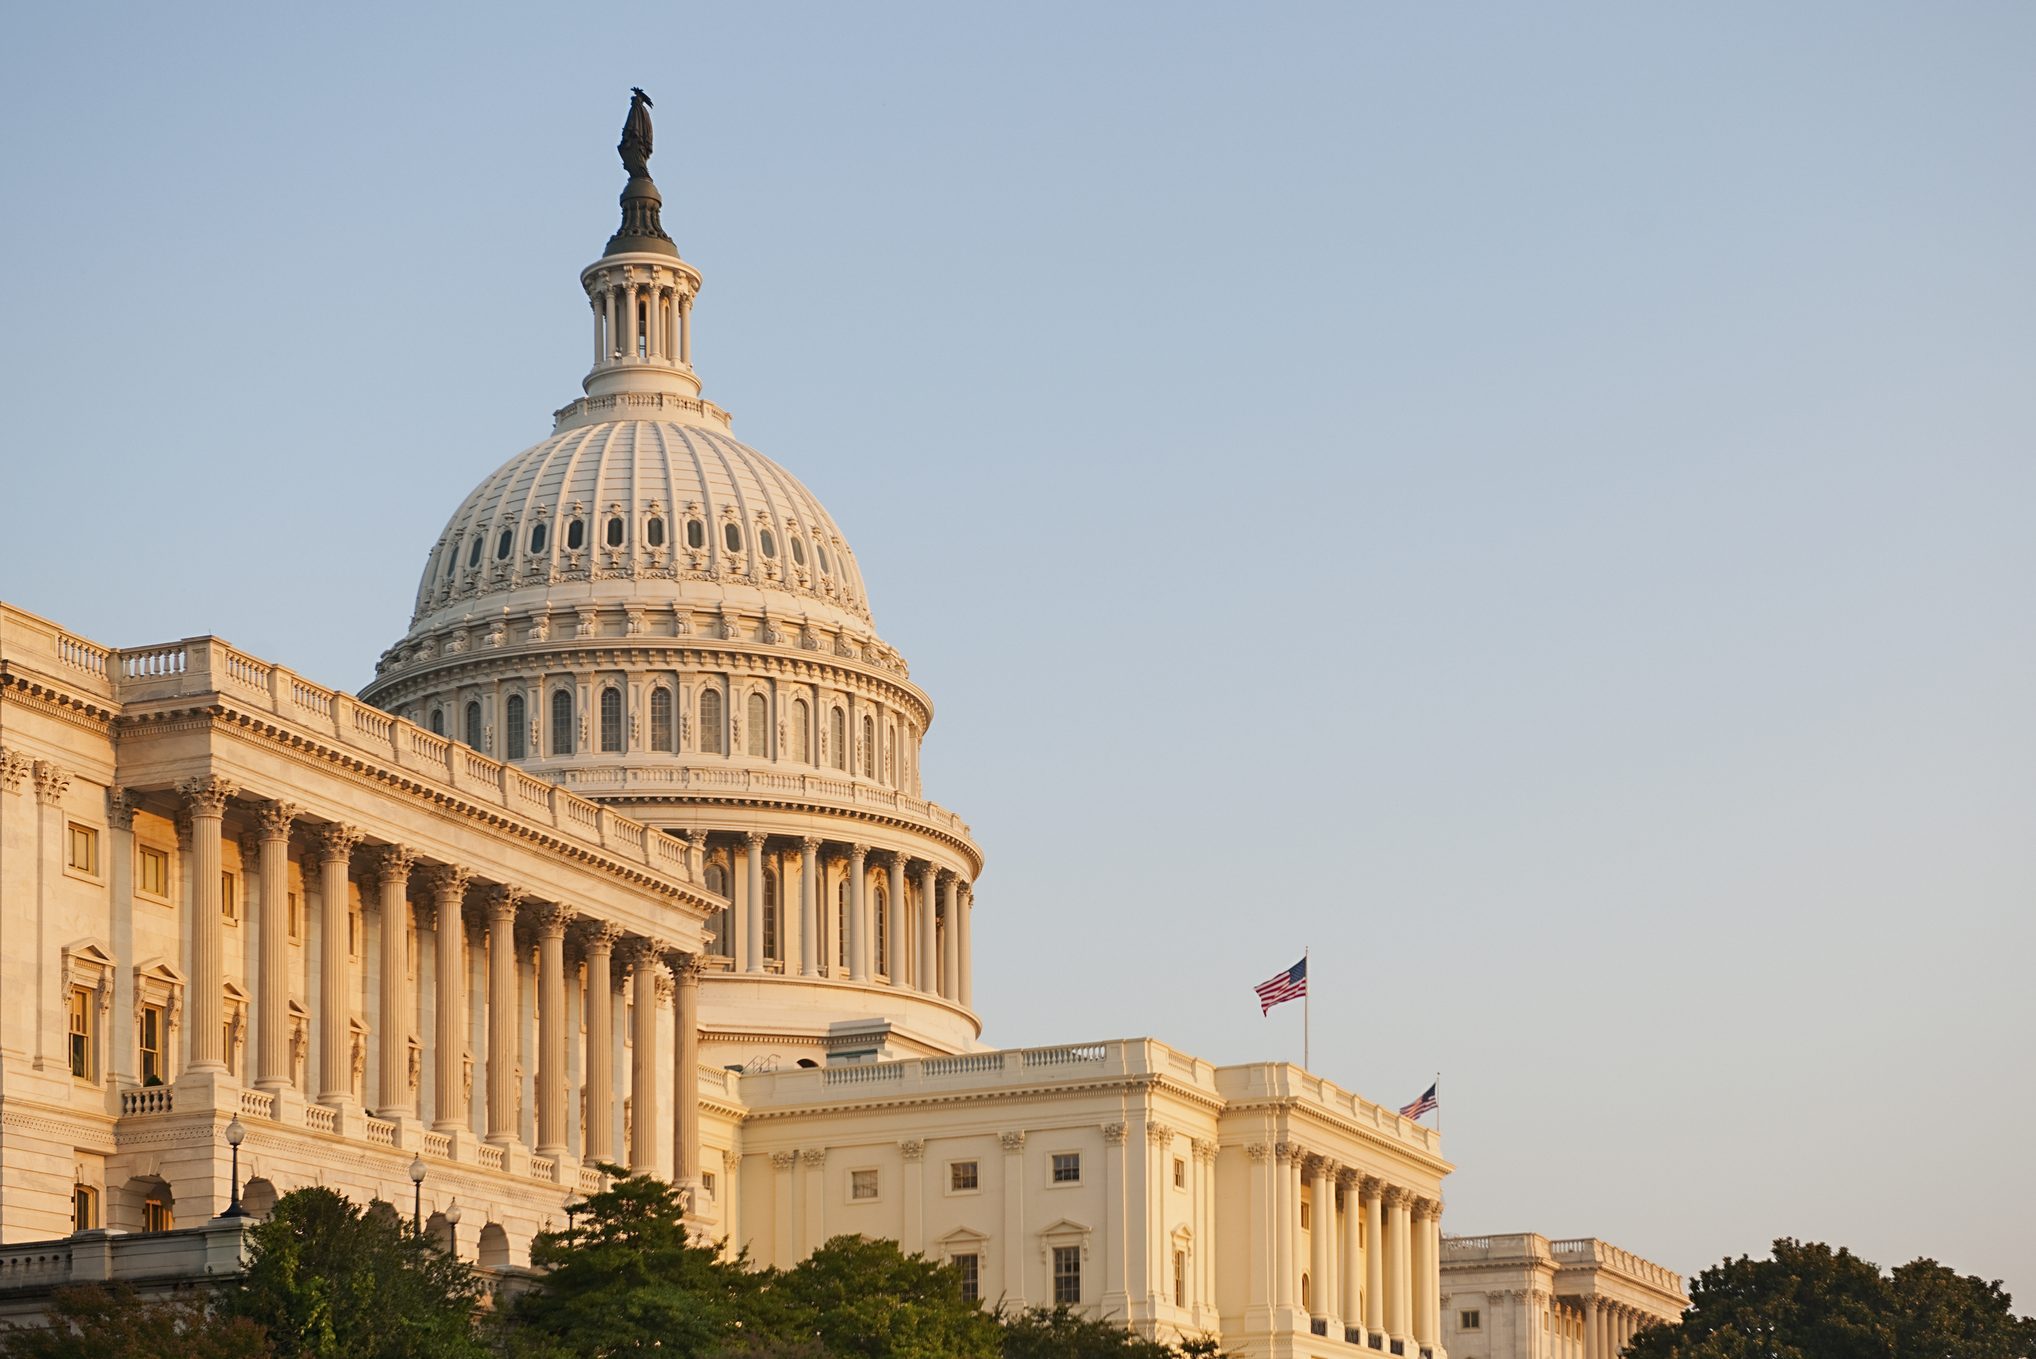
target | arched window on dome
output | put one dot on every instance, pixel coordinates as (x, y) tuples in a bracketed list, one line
[(661, 719), (654, 532), (452, 558), (837, 739), (757, 725), (710, 722), (438, 721), (869, 748), (611, 719), (820, 555), (890, 752), (576, 535), (537, 537), (504, 543), (561, 721), (772, 934), (696, 534), (615, 530), (880, 907), (717, 924), (475, 733), (731, 536), (802, 737), (517, 744), (766, 543), (798, 547), (474, 553)]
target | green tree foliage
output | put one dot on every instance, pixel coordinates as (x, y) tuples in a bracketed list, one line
[(1058, 1333), (92, 1322), (1809, 1301), (868, 1299), (326, 1280)]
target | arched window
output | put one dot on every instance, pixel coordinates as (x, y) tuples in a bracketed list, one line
[(654, 532), (766, 543), (611, 719), (696, 534), (438, 721), (841, 923), (474, 732), (710, 721), (576, 535), (661, 719), (504, 543), (474, 553), (802, 739), (562, 722), (757, 720), (869, 748), (513, 727), (798, 549), (1306, 1301), (731, 535), (717, 883), (615, 531), (837, 738), (770, 911), (537, 536), (880, 907)]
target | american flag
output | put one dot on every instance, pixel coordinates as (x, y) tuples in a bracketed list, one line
[(1426, 1104), (1291, 984)]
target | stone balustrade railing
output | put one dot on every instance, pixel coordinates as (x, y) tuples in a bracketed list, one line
[(1581, 1250)]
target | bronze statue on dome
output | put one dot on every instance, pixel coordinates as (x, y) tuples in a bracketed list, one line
[(635, 145)]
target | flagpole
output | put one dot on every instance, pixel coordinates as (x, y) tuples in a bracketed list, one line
[(1304, 1009)]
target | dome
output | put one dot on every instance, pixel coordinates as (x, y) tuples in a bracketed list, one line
[(657, 512)]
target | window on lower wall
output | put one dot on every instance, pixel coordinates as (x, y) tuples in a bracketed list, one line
[(970, 1267), (156, 1215), (149, 1020), (1067, 1276), (1180, 1278), (963, 1176), (84, 1048), (1467, 1321), (862, 1184), (1067, 1167), (84, 1208), (83, 852)]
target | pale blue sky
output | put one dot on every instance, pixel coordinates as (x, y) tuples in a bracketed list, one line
[(1532, 502)]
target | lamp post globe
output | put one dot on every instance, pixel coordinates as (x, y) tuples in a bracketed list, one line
[(236, 1133), (452, 1228), (417, 1195)]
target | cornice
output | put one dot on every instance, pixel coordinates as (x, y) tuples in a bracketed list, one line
[(44, 695), (1143, 1082), (1292, 1104), (966, 847)]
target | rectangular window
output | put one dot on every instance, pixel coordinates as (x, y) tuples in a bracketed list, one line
[(152, 871), (862, 1184), (1067, 1167), (229, 898), (707, 1183), (155, 1215), (1180, 1278), (83, 1050), (1180, 1173), (84, 1208), (970, 1267), (1067, 1276), (84, 849), (962, 1177), (1468, 1321), (1306, 1214), (296, 918), (153, 1072)]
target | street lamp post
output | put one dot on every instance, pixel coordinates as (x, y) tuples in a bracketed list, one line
[(569, 1212), (235, 1133), (452, 1228), (417, 1192)]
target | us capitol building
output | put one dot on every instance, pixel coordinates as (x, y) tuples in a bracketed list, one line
[(623, 856)]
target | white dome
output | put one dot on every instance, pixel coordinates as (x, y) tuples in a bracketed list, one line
[(654, 511)]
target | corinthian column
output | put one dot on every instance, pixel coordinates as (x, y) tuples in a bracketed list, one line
[(502, 1013), (894, 923), (858, 915), (950, 936), (1425, 1213), (392, 871), (964, 988), (812, 939), (686, 1091), (551, 1029), (1399, 1278), (448, 892), (753, 908), (335, 1005), (205, 803), (599, 1144), (272, 989), (1350, 1274), (1321, 1226), (928, 976), (646, 971)]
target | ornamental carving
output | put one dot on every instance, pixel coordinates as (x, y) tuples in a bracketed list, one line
[(501, 901), (13, 769), (814, 1157), (274, 819), (392, 864), (552, 919), (448, 882), (335, 842), (120, 807), (1013, 1141), (1113, 1134), (784, 1160), (202, 796), (913, 1149)]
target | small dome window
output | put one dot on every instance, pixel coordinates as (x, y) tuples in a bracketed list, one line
[(731, 534), (452, 561), (615, 531), (504, 543), (820, 553), (696, 534), (474, 554), (766, 544), (798, 546), (537, 537), (654, 532), (576, 535)]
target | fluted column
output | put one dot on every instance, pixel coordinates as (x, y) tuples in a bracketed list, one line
[(1283, 1225), (858, 918), (1424, 1213), (894, 923), (950, 935), (1593, 1342), (335, 1009), (599, 1143), (205, 804), (686, 332), (753, 908), (646, 971), (392, 872), (272, 987), (629, 329), (552, 920), (1350, 1283), (811, 936), (1370, 1189), (448, 893), (964, 953), (1396, 1263), (502, 901), (686, 991), (1321, 1225), (926, 967)]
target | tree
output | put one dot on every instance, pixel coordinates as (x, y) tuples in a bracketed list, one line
[(1809, 1301), (91, 1322), (869, 1299), (329, 1281), (1058, 1333)]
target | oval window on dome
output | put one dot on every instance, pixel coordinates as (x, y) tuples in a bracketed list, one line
[(654, 532), (731, 534), (537, 537), (576, 535), (798, 549), (696, 534), (615, 531), (474, 554), (504, 543), (820, 553), (766, 544)]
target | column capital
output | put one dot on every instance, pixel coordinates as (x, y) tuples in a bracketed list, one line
[(52, 780), (1427, 1210), (274, 818), (1257, 1151), (912, 1149), (392, 863), (784, 1160), (858, 854), (1160, 1134), (687, 967), (809, 844), (502, 899), (948, 877), (814, 1157), (1370, 1186), (1397, 1197), (1288, 1151), (552, 919), (447, 881), (1114, 1133), (1012, 1141), (335, 841), (598, 934), (14, 768), (1205, 1150), (202, 796), (637, 951), (120, 807), (1347, 1179)]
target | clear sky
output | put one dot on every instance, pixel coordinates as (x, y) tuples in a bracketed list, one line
[(1533, 503)]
